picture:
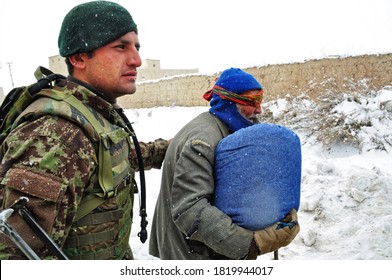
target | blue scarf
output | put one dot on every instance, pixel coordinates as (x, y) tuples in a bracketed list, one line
[(227, 112)]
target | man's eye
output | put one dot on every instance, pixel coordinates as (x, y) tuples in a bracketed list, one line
[(120, 46)]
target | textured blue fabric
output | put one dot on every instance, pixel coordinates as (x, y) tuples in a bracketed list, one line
[(258, 175), (238, 81), (228, 113)]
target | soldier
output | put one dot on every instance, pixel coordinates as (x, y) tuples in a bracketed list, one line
[(71, 154)]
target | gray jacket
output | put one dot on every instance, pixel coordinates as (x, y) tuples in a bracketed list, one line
[(186, 225)]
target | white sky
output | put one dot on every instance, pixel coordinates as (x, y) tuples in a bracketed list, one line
[(207, 34)]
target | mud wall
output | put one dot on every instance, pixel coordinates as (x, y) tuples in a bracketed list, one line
[(337, 75)]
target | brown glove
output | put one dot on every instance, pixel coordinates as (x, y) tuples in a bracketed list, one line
[(278, 235)]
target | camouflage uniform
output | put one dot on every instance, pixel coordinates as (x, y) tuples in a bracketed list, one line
[(52, 158)]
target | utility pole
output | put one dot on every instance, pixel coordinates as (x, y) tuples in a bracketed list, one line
[(9, 67)]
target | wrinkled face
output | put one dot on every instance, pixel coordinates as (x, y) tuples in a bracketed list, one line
[(113, 68), (250, 112)]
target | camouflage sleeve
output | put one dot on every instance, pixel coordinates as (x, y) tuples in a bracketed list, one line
[(153, 154), (50, 161)]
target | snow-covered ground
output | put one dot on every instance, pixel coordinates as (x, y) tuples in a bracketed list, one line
[(346, 192)]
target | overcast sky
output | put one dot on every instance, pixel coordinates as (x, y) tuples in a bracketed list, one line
[(207, 34)]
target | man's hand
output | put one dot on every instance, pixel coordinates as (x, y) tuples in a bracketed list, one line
[(278, 235)]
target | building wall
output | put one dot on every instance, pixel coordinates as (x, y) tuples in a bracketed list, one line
[(336, 75), (57, 65), (150, 69)]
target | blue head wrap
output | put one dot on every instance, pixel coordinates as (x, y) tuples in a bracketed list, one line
[(237, 81)]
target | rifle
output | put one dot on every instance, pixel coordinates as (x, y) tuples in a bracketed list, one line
[(20, 207), (8, 230)]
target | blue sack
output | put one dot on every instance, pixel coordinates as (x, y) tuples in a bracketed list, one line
[(258, 175)]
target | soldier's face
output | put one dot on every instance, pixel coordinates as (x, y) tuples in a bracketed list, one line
[(113, 68)]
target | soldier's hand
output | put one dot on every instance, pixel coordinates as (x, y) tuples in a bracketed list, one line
[(278, 235)]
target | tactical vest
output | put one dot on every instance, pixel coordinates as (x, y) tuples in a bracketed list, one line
[(103, 220)]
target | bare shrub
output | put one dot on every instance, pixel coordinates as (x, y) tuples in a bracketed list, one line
[(356, 119)]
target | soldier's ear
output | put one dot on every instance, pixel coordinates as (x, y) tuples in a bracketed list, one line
[(78, 60)]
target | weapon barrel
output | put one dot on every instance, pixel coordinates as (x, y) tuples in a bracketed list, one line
[(9, 231)]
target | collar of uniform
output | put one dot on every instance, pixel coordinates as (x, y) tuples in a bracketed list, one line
[(92, 96), (90, 87)]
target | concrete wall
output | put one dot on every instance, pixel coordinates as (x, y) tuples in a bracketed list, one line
[(151, 70), (337, 75), (57, 65)]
